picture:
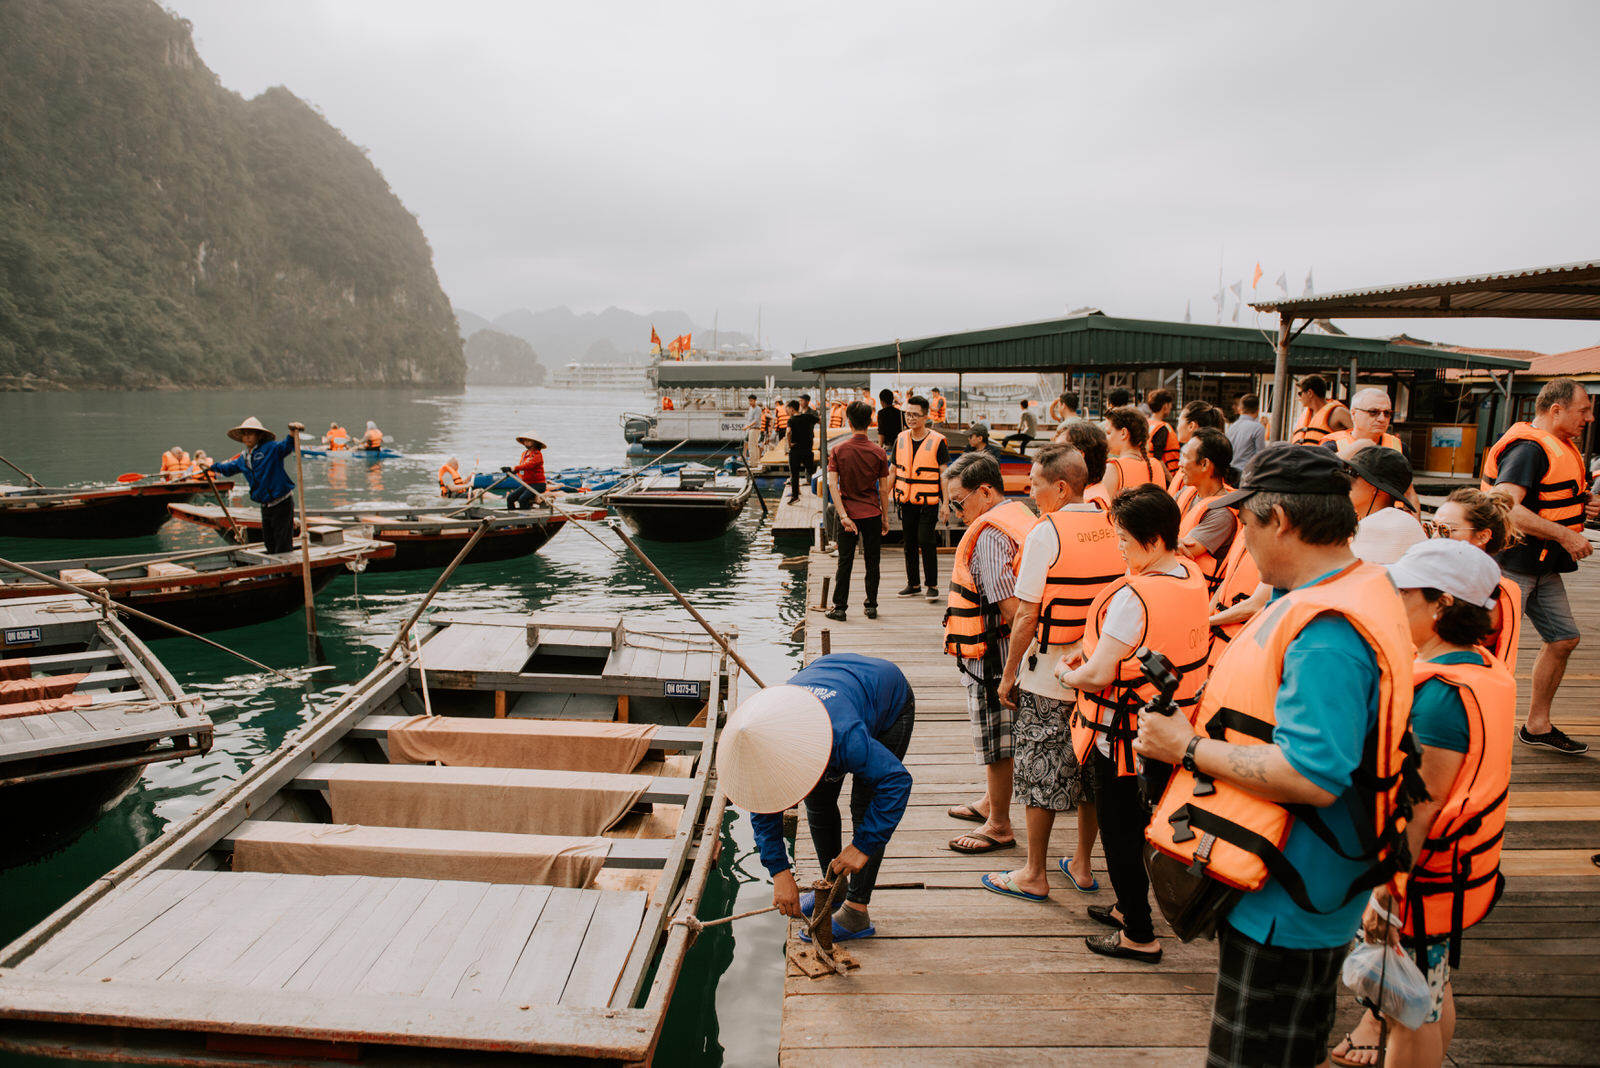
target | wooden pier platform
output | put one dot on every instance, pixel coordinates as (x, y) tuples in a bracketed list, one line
[(960, 976)]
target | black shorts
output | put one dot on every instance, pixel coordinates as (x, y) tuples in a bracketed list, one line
[(1274, 1007)]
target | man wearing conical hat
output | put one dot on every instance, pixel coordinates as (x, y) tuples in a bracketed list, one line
[(261, 463), (841, 715)]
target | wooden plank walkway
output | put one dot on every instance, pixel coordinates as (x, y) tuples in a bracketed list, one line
[(957, 975)]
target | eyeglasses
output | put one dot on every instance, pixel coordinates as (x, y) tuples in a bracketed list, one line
[(912, 413), (959, 504), (1377, 413)]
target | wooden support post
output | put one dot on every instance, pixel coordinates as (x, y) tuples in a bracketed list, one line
[(827, 642), (1280, 381), (822, 462), (1350, 394), (825, 580), (622, 708), (499, 704)]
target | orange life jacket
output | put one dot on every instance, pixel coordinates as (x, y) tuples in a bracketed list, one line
[(1240, 577), (450, 481), (1177, 484), (1136, 471), (373, 439), (173, 465), (1311, 427), (666, 404), (1457, 879), (783, 417), (1236, 836), (1164, 447), (916, 468), (1087, 561), (1175, 614), (936, 410), (1194, 508), (337, 438), (1509, 600), (966, 632), (1096, 495), (1339, 437), (1561, 494), (835, 416), (766, 421)]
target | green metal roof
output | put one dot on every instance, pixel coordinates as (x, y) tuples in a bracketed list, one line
[(1092, 341)]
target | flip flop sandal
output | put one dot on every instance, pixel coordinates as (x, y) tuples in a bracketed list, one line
[(991, 844), (1094, 884), (1006, 886), (842, 935), (1350, 1047), (965, 812)]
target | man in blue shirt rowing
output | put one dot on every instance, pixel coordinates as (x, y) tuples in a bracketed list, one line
[(261, 463), (842, 714)]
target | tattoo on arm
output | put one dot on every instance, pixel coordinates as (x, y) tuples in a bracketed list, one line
[(1247, 762)]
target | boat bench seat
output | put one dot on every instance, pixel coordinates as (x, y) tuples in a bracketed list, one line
[(82, 576), (166, 570), (664, 790), (687, 738), (424, 853)]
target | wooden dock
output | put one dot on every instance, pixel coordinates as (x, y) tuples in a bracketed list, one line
[(958, 975)]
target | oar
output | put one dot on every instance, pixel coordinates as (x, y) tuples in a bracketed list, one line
[(698, 618), (21, 472), (132, 476), (313, 643), (236, 533), (107, 602), (438, 584), (755, 486)]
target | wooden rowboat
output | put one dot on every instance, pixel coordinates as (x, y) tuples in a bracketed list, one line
[(127, 511), (347, 900), (84, 705), (693, 503), (207, 589), (422, 537)]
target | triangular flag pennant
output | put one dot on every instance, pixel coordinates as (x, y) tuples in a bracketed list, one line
[(1283, 283), (655, 341), (1236, 312), (1238, 291), (1186, 316), (1255, 279), (1309, 290)]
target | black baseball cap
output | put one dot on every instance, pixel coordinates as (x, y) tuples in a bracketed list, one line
[(1384, 468), (1287, 468)]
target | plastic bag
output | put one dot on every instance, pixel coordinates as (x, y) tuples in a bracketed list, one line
[(1381, 975)]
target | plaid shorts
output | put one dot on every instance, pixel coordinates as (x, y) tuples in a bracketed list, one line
[(1274, 1007), (991, 722)]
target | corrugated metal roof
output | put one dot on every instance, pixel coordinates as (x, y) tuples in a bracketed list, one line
[(1563, 291), (1577, 363), (1095, 341)]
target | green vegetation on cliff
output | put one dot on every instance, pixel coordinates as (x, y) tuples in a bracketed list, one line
[(158, 230)]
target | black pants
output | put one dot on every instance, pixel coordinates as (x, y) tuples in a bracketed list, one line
[(1123, 817), (869, 533), (521, 497), (822, 808), (277, 525), (802, 465), (1023, 439), (919, 523)]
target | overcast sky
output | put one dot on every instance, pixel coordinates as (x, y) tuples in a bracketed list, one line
[(867, 171)]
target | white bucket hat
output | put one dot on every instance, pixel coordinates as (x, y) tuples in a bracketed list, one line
[(252, 423), (1458, 568), (774, 749)]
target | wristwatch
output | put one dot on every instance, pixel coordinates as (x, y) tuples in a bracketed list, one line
[(1188, 754)]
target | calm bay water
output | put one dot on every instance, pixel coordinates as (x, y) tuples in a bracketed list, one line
[(727, 1005)]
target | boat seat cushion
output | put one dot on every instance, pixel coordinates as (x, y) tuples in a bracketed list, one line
[(45, 706), (14, 691), (166, 570), (82, 576), (19, 668), (398, 852), (482, 799), (563, 745)]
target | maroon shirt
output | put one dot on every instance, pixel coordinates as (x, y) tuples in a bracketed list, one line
[(859, 465)]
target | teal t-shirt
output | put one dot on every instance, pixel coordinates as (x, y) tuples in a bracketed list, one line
[(1438, 717), (1326, 707)]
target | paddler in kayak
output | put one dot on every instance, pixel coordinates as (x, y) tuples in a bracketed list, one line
[(261, 463), (337, 438), (373, 438)]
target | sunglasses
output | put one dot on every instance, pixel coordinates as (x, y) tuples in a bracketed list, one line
[(1385, 413)]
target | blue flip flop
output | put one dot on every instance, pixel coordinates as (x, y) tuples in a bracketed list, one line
[(1094, 884), (808, 901), (1009, 888), (842, 935)]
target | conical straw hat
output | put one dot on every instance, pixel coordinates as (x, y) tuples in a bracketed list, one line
[(252, 423), (774, 749)]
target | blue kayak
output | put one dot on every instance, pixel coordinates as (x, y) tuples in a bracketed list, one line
[(353, 454)]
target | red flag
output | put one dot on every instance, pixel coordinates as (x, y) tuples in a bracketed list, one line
[(678, 346), (655, 341), (1255, 279)]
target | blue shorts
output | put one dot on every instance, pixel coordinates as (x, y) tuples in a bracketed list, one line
[(1544, 600)]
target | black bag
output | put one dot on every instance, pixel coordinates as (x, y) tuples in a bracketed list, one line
[(1192, 904)]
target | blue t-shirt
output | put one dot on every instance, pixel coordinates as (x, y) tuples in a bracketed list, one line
[(864, 696), (1438, 716), (1327, 705)]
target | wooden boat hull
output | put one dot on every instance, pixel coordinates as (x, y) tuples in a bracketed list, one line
[(677, 520), (256, 588), (104, 512), (70, 807), (460, 959), (418, 544)]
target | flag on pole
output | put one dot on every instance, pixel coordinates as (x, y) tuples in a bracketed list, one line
[(1186, 316), (1221, 299), (1308, 291), (1283, 283), (1255, 279), (1238, 291), (655, 341)]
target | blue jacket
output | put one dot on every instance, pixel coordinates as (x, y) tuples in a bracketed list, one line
[(262, 466), (864, 696)]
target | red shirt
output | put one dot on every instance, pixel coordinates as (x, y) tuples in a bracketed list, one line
[(859, 465), (531, 467)]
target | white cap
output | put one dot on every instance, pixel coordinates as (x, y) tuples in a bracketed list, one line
[(1384, 536), (774, 749), (1458, 568)]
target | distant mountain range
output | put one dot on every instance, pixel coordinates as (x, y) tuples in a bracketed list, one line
[(561, 336)]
